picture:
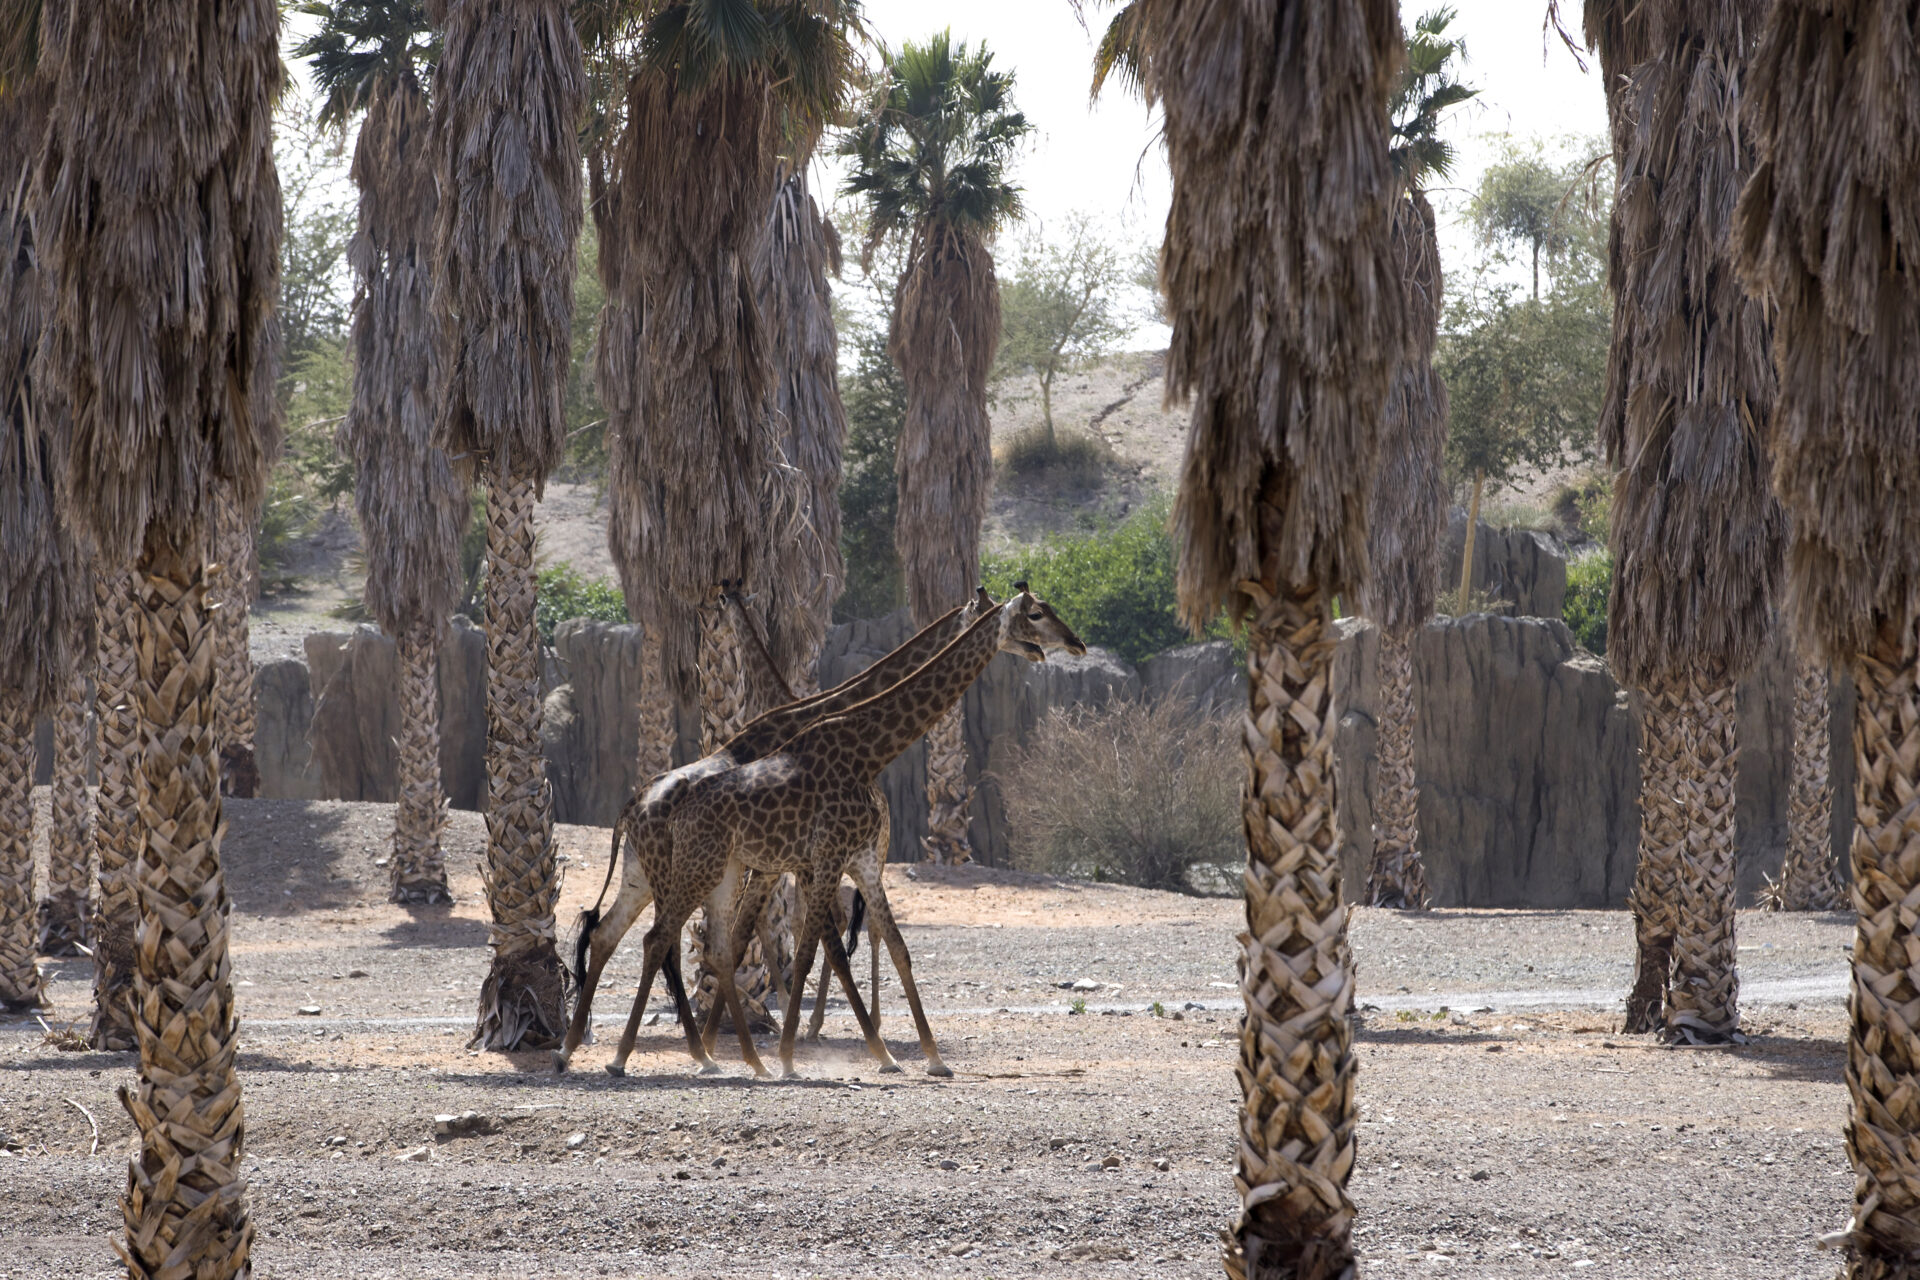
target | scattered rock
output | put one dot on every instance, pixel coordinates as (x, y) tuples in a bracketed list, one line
[(1480, 1175), (576, 1141), (1054, 1144), (1178, 1016), (467, 1122), (949, 1165), (681, 1175), (1090, 1252), (964, 1250), (1194, 1005), (1085, 984), (337, 1140), (1162, 1164), (356, 973), (1495, 1048), (1111, 1162), (308, 1011), (719, 1162), (418, 1155)]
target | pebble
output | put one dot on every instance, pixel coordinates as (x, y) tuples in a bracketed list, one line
[(949, 1164), (452, 1126), (356, 973), (1111, 1162), (1162, 1164), (419, 1155), (1085, 984), (308, 1011), (576, 1141), (681, 1174)]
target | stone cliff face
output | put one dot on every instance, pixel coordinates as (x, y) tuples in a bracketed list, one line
[(1526, 748)]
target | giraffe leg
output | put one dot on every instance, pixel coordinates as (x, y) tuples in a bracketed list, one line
[(749, 905), (662, 955), (602, 939), (722, 899), (770, 948), (883, 923), (818, 924), (820, 1000)]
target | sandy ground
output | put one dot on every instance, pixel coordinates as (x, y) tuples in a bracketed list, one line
[(1512, 1132)]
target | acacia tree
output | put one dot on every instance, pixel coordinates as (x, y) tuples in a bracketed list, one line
[(1695, 532), (1409, 511), (370, 55), (1282, 194), (1828, 229), (1061, 307), (929, 158), (160, 219), (509, 95)]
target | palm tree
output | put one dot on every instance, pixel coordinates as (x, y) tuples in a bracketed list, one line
[(370, 55), (929, 157), (1409, 511), (160, 222), (1826, 230), (509, 94), (230, 577), (1696, 532), (37, 623), (1810, 877), (1285, 300), (116, 831), (65, 910)]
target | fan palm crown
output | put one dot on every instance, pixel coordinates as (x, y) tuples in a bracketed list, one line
[(362, 47), (1427, 88), (934, 148)]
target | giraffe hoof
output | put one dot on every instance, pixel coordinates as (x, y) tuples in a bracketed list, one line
[(708, 1068), (615, 1070), (787, 1072), (559, 1063), (890, 1068), (940, 1069)]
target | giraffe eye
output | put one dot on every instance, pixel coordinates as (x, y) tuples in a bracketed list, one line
[(1035, 617)]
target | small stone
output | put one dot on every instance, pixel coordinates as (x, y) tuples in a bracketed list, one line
[(1194, 1005), (356, 973), (719, 1162), (419, 1155), (960, 1250), (1162, 1164), (1111, 1162), (1056, 1143), (1495, 1048), (576, 1141), (308, 1011), (1480, 1175), (337, 1140), (1178, 1016), (652, 1020), (949, 1165), (1085, 984), (681, 1175)]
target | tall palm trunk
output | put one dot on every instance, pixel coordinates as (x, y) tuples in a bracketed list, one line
[(1654, 898), (1399, 877), (1810, 877), (419, 871), (232, 583), (184, 1192), (1296, 1064), (117, 831), (1702, 999), (63, 912), (19, 979), (523, 1002)]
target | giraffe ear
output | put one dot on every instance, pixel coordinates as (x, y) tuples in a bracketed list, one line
[(1021, 586)]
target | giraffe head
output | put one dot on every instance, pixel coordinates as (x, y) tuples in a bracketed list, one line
[(1032, 627)]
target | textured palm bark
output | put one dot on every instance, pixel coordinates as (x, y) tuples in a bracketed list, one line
[(64, 911), (1883, 1050), (1398, 878), (653, 752), (186, 1195), (1703, 998), (19, 979), (1663, 835), (523, 1002), (117, 831), (725, 708), (419, 870), (948, 795), (231, 580), (1810, 878), (1296, 1065)]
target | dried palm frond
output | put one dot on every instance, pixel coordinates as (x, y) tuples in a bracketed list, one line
[(169, 369), (1409, 508), (412, 508), (44, 629), (1282, 447), (1696, 532), (506, 229)]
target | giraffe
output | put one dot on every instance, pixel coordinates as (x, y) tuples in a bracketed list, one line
[(644, 822), (808, 808)]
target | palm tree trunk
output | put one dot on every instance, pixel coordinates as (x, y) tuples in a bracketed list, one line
[(117, 831), (1296, 1064), (19, 979), (1883, 1076), (1810, 877), (232, 583), (185, 1204), (523, 1002), (725, 708), (1663, 836), (419, 872), (948, 795), (63, 912), (1399, 878), (1703, 1002), (653, 753), (1466, 548)]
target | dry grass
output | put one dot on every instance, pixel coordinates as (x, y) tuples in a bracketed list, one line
[(1145, 794), (1064, 460)]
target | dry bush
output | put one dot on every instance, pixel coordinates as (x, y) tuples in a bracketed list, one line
[(1146, 794), (1063, 459)]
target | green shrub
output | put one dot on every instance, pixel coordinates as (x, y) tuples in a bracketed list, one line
[(1589, 580), (1064, 459), (876, 399), (564, 593)]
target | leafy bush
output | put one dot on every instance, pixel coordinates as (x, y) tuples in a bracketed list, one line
[(563, 592), (1583, 506), (1147, 794), (1071, 459), (876, 400), (1589, 581)]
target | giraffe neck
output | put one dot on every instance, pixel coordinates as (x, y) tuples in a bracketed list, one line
[(764, 676), (776, 727), (874, 733)]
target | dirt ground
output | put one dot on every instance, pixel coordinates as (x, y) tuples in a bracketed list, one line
[(1507, 1128)]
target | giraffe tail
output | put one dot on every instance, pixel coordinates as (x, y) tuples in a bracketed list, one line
[(854, 920), (590, 918)]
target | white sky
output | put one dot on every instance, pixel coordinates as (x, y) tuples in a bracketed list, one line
[(1104, 159)]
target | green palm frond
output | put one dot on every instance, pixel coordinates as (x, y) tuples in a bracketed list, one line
[(1427, 89), (363, 44), (935, 144), (1125, 51)]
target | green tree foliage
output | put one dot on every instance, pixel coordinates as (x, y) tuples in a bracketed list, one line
[(563, 592), (586, 456), (1528, 205), (1063, 305), (1525, 375), (1427, 89), (1589, 583), (875, 395)]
